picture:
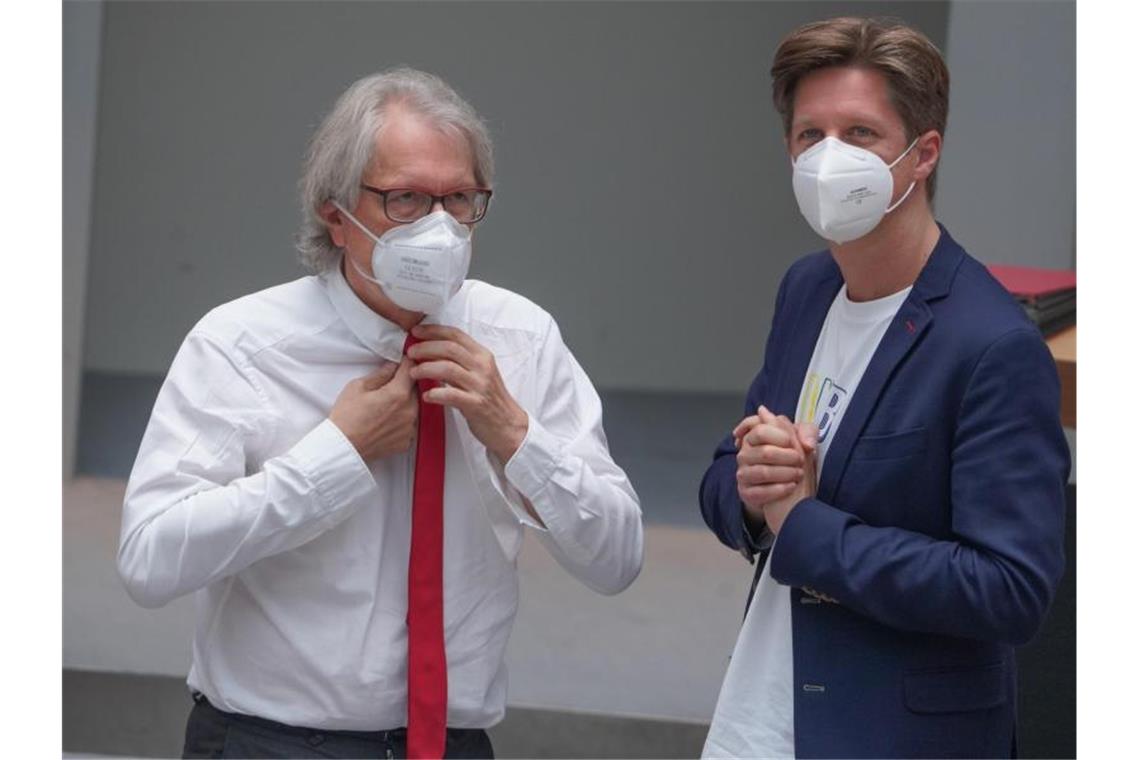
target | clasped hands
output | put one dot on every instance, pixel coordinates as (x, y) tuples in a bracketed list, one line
[(379, 412), (775, 466)]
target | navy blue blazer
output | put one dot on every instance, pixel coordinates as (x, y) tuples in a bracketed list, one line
[(938, 525)]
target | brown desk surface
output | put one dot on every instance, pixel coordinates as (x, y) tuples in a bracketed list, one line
[(1063, 346)]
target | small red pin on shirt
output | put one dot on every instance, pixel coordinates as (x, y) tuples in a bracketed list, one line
[(909, 326)]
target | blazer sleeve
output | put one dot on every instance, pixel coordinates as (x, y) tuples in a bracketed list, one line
[(995, 578), (721, 506)]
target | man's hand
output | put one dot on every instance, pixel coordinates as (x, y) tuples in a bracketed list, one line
[(806, 438), (771, 460), (378, 413), (471, 384)]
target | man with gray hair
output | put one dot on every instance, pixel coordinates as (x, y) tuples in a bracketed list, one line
[(341, 467)]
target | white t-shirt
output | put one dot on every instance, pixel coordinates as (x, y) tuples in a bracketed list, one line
[(754, 714)]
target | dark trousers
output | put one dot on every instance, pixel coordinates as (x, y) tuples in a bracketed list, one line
[(211, 732)]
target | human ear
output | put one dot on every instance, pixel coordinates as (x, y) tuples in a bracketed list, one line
[(335, 223), (929, 149)]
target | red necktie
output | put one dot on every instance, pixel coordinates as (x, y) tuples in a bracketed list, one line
[(427, 660)]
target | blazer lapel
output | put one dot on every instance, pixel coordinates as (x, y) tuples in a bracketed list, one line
[(913, 319)]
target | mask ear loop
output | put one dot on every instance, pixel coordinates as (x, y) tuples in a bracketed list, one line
[(367, 232), (891, 165), (356, 221)]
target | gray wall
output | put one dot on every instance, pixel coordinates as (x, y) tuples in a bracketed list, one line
[(1007, 185), (643, 195), (82, 35)]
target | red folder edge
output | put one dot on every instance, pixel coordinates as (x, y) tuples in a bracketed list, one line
[(1031, 282)]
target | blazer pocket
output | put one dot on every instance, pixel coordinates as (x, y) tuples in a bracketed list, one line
[(947, 690), (890, 446)]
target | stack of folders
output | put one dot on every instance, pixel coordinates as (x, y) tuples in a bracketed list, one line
[(1049, 296)]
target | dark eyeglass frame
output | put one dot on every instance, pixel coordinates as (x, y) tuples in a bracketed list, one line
[(441, 199)]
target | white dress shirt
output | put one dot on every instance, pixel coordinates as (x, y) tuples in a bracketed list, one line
[(245, 493)]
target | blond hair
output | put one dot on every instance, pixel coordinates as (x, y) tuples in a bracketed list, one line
[(916, 74)]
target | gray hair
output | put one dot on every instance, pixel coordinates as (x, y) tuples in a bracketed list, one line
[(343, 145)]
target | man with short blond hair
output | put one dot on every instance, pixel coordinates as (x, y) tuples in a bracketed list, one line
[(900, 468)]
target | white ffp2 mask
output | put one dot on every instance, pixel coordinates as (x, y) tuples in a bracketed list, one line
[(844, 191), (421, 265)]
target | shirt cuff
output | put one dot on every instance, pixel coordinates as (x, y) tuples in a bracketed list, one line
[(751, 545), (334, 467), (759, 541), (537, 458), (535, 461), (509, 493)]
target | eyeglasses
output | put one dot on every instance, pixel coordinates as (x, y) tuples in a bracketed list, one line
[(403, 205)]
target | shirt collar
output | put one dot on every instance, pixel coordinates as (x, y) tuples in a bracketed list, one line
[(379, 335)]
